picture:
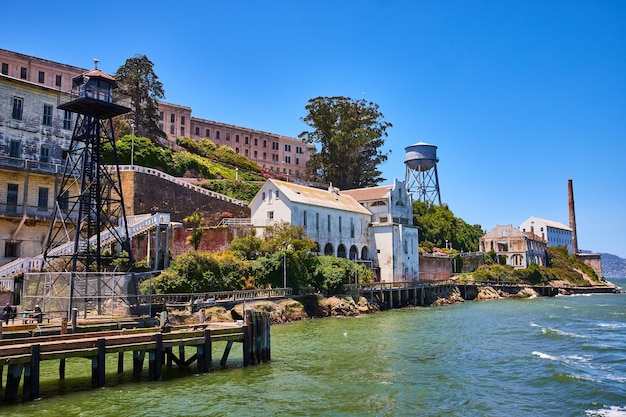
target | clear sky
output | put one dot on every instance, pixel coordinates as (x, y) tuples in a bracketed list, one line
[(519, 96)]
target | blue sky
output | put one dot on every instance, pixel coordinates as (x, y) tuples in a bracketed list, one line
[(519, 96)]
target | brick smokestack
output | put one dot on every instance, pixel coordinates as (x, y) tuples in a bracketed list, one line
[(572, 215)]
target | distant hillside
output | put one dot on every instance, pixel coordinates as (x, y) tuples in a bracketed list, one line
[(613, 266)]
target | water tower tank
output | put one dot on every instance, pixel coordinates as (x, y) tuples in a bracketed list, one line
[(421, 156)]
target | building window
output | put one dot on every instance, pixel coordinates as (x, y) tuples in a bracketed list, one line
[(298, 149), (172, 129), (182, 130), (264, 156), (47, 115), (67, 120), (265, 144), (197, 131), (287, 159), (11, 249), (245, 153), (237, 151), (317, 221), (304, 219), (287, 148), (172, 118), (160, 115), (256, 142), (297, 161), (15, 149), (328, 226), (217, 134), (247, 140), (42, 201), (255, 154), (228, 136), (44, 154), (270, 215), (339, 224), (275, 146), (208, 133), (64, 200), (23, 73), (237, 139), (42, 77), (18, 107), (5, 68), (12, 198), (352, 228), (276, 194), (57, 81), (182, 120)]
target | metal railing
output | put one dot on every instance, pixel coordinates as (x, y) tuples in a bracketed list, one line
[(136, 226)]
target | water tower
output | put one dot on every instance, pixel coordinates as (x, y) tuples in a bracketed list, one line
[(421, 178), (88, 229)]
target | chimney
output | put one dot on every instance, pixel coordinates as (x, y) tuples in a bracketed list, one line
[(572, 216)]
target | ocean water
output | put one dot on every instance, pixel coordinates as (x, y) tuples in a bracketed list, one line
[(561, 356)]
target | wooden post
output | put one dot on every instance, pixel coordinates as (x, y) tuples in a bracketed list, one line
[(155, 359), (74, 318), (229, 345), (181, 353), (120, 362), (30, 390), (14, 374), (62, 360), (138, 357), (207, 353), (202, 315), (246, 346), (98, 365)]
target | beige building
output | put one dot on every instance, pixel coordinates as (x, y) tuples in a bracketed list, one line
[(275, 153), (515, 248)]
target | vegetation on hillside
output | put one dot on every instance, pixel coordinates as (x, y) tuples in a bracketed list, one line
[(438, 226), (251, 262), (561, 266)]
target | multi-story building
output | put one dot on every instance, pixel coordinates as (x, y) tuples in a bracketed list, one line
[(273, 152), (557, 234), (513, 247), (34, 136), (366, 225)]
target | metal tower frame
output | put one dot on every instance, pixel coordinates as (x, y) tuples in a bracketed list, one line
[(423, 184), (88, 228)]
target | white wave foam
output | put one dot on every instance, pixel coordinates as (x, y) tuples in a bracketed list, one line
[(611, 411), (545, 356), (612, 325), (546, 330)]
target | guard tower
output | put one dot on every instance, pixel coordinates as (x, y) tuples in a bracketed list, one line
[(421, 179), (88, 228)]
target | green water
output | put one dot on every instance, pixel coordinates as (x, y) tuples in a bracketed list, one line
[(563, 356)]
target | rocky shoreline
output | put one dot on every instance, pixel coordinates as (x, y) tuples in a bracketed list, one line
[(317, 306)]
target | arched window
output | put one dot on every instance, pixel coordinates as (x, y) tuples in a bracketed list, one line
[(328, 250)]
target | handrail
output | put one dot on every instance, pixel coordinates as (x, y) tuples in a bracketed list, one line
[(136, 225)]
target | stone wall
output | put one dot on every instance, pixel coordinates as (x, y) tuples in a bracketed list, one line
[(145, 193)]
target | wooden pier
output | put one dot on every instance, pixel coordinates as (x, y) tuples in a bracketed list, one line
[(421, 293), (161, 346)]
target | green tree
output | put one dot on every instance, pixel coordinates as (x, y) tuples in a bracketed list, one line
[(196, 221), (138, 80), (350, 134), (438, 226)]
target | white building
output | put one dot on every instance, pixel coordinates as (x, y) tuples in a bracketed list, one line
[(557, 234), (366, 225)]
